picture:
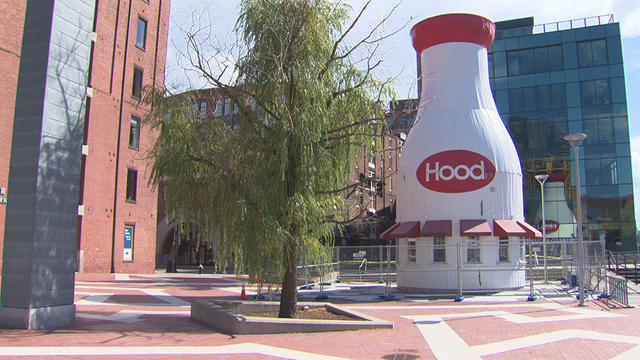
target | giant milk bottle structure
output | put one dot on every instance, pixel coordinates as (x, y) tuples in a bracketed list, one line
[(460, 196)]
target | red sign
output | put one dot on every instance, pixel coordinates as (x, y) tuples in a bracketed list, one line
[(552, 226), (455, 171)]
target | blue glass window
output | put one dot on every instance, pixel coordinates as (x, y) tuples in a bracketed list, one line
[(605, 131), (558, 96), (141, 33), (499, 64), (624, 170), (538, 60), (592, 53), (609, 171), (543, 97), (595, 92), (620, 125), (537, 98), (515, 100), (490, 65), (555, 58)]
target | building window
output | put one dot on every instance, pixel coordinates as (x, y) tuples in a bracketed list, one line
[(137, 83), (132, 179), (390, 184), (220, 107), (228, 107), (473, 249), (390, 144), (390, 163), (503, 249), (202, 109), (141, 34), (595, 92), (134, 133), (592, 53), (601, 172), (411, 250), (439, 250), (599, 131), (530, 61), (544, 97)]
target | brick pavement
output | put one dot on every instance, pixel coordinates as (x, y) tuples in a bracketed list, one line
[(147, 316)]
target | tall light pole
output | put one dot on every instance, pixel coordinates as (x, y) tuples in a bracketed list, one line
[(541, 179), (575, 140)]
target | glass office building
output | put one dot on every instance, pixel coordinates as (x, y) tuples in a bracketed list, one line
[(563, 78)]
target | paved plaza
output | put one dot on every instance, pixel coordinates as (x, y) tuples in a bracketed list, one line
[(147, 316)]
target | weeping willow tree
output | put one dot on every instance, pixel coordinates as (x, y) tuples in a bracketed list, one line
[(270, 189)]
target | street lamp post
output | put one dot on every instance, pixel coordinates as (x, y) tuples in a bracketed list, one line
[(541, 179), (575, 140)]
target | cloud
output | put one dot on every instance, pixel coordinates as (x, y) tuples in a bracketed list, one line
[(628, 14)]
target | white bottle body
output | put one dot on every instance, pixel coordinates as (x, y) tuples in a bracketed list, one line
[(457, 112)]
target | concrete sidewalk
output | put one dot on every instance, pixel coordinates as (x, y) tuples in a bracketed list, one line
[(147, 316)]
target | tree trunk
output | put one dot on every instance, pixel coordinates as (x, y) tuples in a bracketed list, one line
[(289, 295)]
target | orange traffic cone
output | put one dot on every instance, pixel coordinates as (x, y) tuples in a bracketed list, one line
[(243, 295)]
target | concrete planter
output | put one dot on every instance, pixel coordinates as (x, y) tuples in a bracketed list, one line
[(225, 317)]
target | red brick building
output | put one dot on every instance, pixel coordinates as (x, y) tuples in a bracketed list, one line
[(117, 213), (374, 196), (11, 20)]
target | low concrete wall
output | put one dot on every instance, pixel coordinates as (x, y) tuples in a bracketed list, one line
[(225, 317)]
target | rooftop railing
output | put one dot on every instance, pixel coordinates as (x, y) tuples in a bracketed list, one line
[(573, 24)]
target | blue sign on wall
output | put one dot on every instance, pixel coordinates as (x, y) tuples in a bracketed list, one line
[(127, 249)]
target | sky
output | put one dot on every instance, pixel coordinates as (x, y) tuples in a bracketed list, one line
[(397, 52)]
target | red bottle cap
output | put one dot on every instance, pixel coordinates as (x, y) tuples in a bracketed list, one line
[(453, 28)]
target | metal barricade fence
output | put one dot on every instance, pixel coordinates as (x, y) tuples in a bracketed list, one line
[(351, 260), (618, 289), (480, 261)]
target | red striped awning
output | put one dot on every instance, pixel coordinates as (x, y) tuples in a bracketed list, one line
[(436, 228), (385, 234), (531, 232), (474, 227), (507, 228), (407, 229)]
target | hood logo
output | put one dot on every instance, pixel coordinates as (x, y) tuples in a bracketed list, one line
[(455, 171), (551, 225)]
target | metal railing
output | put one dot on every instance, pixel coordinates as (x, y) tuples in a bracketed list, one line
[(618, 289), (626, 264), (573, 24)]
